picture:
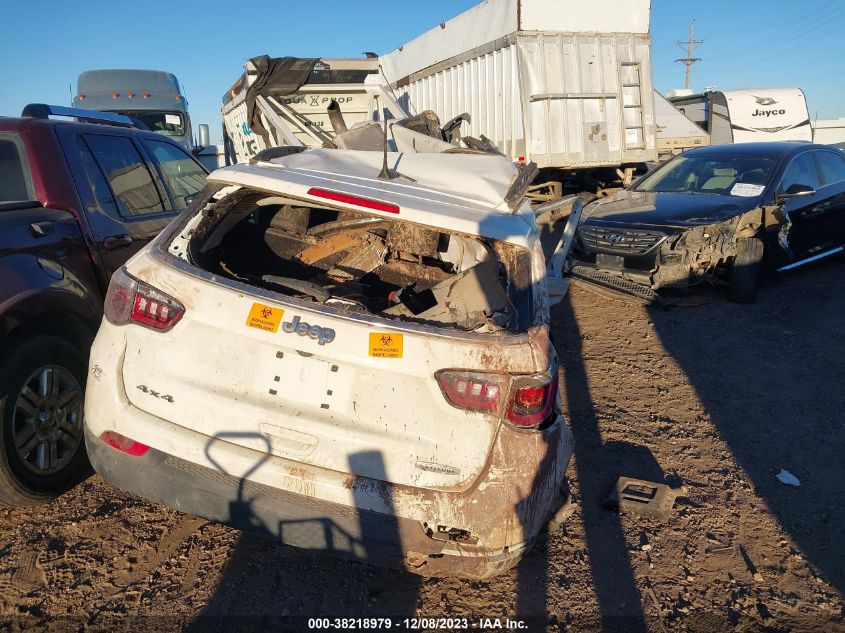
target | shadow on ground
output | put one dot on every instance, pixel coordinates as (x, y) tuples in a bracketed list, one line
[(773, 405)]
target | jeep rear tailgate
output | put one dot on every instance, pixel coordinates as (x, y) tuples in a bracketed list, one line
[(312, 384)]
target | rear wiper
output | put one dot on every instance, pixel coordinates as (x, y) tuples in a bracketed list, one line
[(305, 287)]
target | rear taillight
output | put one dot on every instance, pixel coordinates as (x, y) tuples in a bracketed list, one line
[(124, 444), (467, 390), (129, 300), (531, 404), (531, 400)]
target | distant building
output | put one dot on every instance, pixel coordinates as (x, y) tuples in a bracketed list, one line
[(829, 131)]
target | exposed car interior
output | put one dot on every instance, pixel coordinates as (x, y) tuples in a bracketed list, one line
[(361, 263)]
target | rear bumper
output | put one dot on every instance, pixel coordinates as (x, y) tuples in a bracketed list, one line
[(295, 519), (475, 531)]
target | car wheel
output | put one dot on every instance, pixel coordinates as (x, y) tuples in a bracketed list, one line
[(42, 452), (745, 272)]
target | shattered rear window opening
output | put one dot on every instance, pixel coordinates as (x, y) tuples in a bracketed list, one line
[(366, 264)]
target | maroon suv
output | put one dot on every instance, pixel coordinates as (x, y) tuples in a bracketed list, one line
[(77, 199)]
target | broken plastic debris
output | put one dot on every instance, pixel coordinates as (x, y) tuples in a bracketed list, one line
[(642, 497), (786, 477)]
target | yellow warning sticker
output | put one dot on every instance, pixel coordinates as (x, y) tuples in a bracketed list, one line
[(264, 317), (385, 345)]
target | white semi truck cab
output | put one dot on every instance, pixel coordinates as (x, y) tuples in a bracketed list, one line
[(150, 96)]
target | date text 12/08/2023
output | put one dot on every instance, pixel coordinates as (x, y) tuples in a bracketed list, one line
[(418, 624)]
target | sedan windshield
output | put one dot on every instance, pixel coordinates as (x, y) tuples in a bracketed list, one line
[(722, 175)]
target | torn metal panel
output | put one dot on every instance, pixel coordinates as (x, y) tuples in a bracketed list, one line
[(468, 299), (697, 254)]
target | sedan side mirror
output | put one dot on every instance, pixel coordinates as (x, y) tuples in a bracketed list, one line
[(798, 191)]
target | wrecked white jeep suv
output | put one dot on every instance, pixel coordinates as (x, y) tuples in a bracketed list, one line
[(341, 361)]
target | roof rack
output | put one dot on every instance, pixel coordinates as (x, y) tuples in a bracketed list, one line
[(44, 111)]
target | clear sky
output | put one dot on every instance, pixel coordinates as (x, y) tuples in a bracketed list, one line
[(747, 43)]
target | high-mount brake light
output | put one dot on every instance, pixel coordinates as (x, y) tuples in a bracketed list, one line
[(124, 444), (367, 203), (130, 300), (467, 390)]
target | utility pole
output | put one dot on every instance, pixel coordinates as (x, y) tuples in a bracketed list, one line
[(688, 47)]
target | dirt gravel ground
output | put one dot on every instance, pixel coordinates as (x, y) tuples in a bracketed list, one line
[(711, 397)]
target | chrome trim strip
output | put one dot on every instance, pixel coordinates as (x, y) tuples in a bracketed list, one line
[(838, 249)]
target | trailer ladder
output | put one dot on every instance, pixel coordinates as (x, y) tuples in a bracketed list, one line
[(632, 105)]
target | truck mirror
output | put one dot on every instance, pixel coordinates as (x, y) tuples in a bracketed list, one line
[(205, 137)]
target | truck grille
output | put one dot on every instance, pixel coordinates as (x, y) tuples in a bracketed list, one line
[(621, 241)]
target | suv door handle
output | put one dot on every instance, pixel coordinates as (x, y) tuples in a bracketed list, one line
[(116, 241)]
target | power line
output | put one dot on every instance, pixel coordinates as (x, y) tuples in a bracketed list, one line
[(776, 20), (762, 44), (691, 45), (754, 58)]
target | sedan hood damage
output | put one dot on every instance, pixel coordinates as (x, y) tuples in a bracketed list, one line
[(675, 210), (639, 258), (698, 253)]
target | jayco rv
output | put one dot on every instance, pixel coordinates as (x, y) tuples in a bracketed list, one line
[(741, 116)]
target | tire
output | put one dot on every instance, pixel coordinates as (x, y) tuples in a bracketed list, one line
[(42, 451), (746, 269)]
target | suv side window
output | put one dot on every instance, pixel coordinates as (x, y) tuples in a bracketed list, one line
[(831, 166), (802, 171), (131, 185), (97, 182), (184, 177), (15, 184)]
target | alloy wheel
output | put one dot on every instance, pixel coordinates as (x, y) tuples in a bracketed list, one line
[(47, 420)]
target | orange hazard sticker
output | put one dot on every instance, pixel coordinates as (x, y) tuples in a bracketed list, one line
[(264, 317), (385, 345)]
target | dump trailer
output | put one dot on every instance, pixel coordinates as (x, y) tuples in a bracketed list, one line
[(745, 116), (565, 84), (285, 101), (675, 132), (152, 97)]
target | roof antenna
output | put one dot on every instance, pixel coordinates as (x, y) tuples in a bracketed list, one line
[(386, 173)]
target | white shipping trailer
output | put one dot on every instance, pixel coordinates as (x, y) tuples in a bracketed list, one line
[(564, 83)]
